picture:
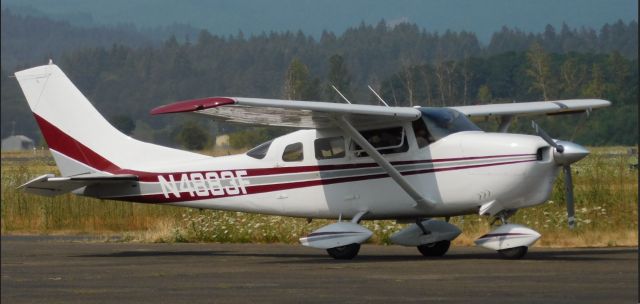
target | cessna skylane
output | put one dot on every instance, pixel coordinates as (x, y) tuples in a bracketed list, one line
[(350, 162)]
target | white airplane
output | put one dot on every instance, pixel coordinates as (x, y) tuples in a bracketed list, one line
[(348, 161)]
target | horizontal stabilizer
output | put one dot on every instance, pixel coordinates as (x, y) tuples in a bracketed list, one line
[(50, 185)]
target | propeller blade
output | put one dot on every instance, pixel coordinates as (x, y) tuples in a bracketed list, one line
[(568, 187), (540, 132)]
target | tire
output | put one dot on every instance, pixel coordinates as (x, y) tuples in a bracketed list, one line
[(346, 252), (513, 253), (434, 249)]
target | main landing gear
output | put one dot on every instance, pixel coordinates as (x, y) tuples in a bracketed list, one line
[(431, 237), (346, 252), (341, 240), (436, 249)]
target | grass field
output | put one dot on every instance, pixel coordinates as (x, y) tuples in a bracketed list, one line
[(606, 196)]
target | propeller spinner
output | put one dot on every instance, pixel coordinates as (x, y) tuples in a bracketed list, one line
[(565, 153)]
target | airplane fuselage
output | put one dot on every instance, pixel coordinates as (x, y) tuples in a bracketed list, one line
[(460, 172)]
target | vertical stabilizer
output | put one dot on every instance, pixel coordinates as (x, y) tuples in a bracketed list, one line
[(79, 137)]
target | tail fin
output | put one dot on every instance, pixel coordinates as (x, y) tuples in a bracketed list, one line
[(80, 139)]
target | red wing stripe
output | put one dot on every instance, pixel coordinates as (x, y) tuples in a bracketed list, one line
[(193, 105)]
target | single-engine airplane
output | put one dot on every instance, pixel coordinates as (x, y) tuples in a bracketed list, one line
[(350, 162)]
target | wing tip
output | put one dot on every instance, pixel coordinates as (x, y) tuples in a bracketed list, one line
[(192, 105)]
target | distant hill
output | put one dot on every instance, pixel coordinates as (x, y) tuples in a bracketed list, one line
[(224, 17), (28, 40)]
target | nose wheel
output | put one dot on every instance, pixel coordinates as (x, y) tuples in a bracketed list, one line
[(513, 253)]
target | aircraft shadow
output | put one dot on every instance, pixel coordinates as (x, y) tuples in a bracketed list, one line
[(586, 254), (576, 255), (154, 253)]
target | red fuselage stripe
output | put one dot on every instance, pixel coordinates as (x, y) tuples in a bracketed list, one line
[(153, 176), (257, 189)]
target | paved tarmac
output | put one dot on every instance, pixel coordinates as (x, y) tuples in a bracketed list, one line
[(82, 270)]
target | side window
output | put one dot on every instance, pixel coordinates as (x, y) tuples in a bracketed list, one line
[(423, 137), (386, 141), (293, 152), (330, 147)]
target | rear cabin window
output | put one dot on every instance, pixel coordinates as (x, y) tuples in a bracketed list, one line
[(293, 152), (330, 147), (386, 141), (260, 151)]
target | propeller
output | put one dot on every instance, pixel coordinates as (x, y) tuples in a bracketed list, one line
[(568, 189), (540, 132), (564, 155)]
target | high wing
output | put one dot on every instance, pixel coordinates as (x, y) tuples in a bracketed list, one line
[(319, 115), (50, 185), (290, 113), (533, 108)]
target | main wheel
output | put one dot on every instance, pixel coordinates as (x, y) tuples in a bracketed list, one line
[(346, 252), (434, 249), (513, 253)]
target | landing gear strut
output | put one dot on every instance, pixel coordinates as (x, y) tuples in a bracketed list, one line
[(434, 249), (503, 216)]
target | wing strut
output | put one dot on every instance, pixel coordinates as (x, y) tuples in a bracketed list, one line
[(346, 126)]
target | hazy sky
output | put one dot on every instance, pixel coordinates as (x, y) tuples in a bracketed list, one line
[(312, 16)]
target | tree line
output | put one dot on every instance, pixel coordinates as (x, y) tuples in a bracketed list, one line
[(407, 65)]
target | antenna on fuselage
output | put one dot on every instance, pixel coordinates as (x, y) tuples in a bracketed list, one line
[(338, 91), (379, 98)]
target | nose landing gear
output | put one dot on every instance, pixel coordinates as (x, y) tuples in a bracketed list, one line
[(513, 253), (511, 241)]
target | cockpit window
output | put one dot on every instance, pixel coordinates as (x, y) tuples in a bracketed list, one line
[(329, 147), (442, 122), (260, 151)]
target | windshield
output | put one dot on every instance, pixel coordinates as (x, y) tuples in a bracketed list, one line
[(442, 122), (260, 151)]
